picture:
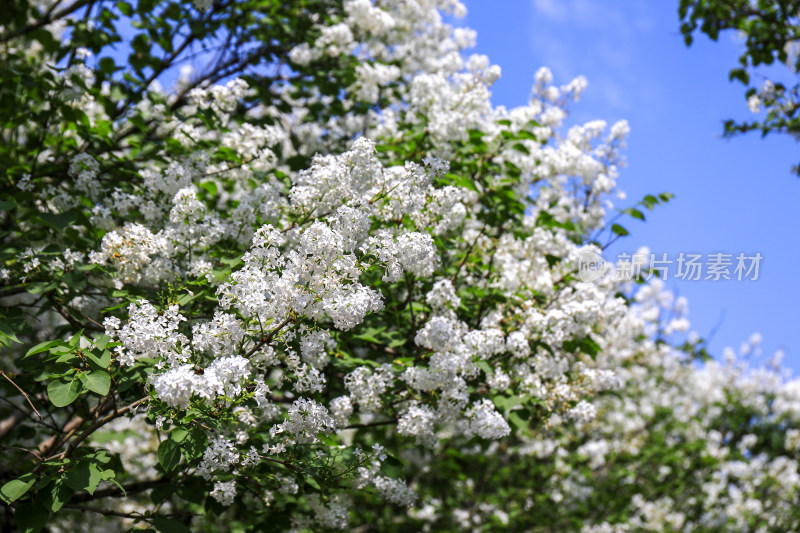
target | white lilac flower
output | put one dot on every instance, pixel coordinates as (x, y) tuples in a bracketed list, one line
[(224, 492)]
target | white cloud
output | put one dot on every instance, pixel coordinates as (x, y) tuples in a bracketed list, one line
[(551, 9)]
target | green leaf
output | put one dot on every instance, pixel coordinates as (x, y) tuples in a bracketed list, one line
[(7, 333), (367, 337), (169, 455), (209, 187), (519, 147), (635, 213), (231, 261), (586, 345), (649, 201), (101, 341), (16, 488), (41, 287), (58, 222), (330, 441), (506, 403), (7, 205), (66, 357), (526, 135), (63, 392), (666, 196), (589, 346), (186, 298), (518, 422), (461, 181), (101, 362), (86, 476), (392, 467), (178, 435), (107, 66), (192, 490), (76, 339), (195, 444), (739, 74), (168, 525), (42, 347), (160, 494), (125, 8), (56, 495), (97, 381), (310, 481), (619, 230), (31, 517)]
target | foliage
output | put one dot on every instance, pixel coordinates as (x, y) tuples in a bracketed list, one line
[(317, 282), (770, 30)]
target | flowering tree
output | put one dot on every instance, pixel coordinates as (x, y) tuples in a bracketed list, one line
[(281, 266), (770, 31)]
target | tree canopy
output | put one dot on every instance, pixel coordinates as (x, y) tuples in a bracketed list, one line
[(770, 31), (282, 266)]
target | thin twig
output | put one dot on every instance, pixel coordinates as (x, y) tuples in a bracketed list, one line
[(116, 491), (410, 302), (106, 512), (371, 424), (466, 255), (44, 21), (35, 454), (25, 394), (99, 423), (267, 338), (288, 465)]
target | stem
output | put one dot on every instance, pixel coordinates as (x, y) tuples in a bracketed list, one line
[(25, 394), (410, 302), (114, 491), (371, 424), (34, 453), (44, 21), (466, 256), (268, 338), (97, 424)]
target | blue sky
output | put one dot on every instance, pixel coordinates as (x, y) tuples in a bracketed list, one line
[(731, 196)]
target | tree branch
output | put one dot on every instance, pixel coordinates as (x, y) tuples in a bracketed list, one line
[(44, 21), (25, 394)]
